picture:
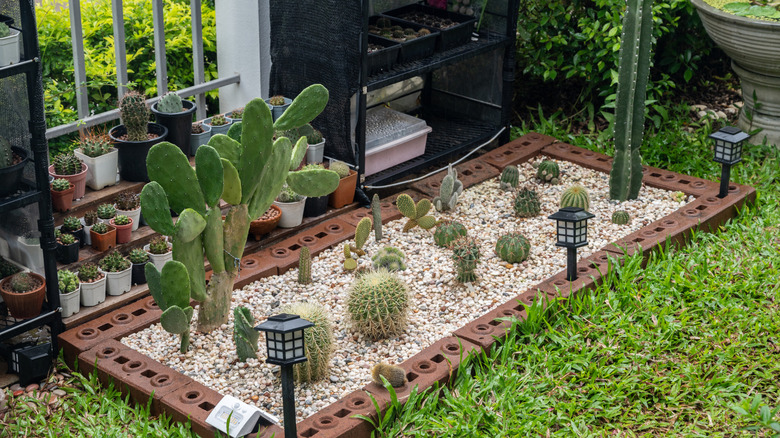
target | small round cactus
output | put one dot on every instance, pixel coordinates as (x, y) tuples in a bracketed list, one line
[(277, 100), (318, 341), (158, 245), (389, 258), (447, 232), (621, 217), (95, 144), (66, 164), (106, 211), (509, 178), (575, 196), (377, 304), (527, 204), (341, 168), (465, 254), (23, 282), (218, 120), (513, 247), (60, 184), (548, 171)]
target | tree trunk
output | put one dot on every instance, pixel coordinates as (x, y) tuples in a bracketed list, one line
[(214, 311)]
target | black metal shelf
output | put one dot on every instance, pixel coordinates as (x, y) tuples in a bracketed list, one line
[(18, 68), (28, 195)]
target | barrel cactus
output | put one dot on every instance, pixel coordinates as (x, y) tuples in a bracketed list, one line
[(576, 196), (244, 334), (526, 203), (415, 213), (377, 304), (513, 247), (66, 164), (341, 168), (135, 115), (465, 254), (447, 232), (621, 217), (318, 341), (276, 100), (389, 258), (548, 171), (509, 178), (170, 103)]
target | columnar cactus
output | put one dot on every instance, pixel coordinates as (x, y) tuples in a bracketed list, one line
[(389, 258), (244, 334), (509, 178), (621, 217), (447, 232), (377, 304), (548, 171), (449, 191), (465, 254), (625, 179), (416, 213), (135, 115), (362, 231), (247, 176), (513, 247), (526, 203), (304, 266), (376, 213), (171, 290), (575, 196), (318, 341), (170, 103)]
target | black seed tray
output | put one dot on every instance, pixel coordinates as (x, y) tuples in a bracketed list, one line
[(418, 48), (448, 38), (384, 59)]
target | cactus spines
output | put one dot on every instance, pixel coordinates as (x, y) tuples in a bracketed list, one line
[(218, 120), (106, 211), (416, 213), (23, 282), (625, 178), (277, 100), (621, 217), (449, 191), (465, 254), (447, 232), (526, 203), (318, 341), (135, 115), (170, 103), (575, 196), (341, 168), (389, 258), (377, 304), (548, 171), (60, 184), (304, 266), (90, 218), (66, 164), (95, 144), (244, 334), (509, 178), (376, 213), (513, 247), (170, 288), (71, 223), (395, 375)]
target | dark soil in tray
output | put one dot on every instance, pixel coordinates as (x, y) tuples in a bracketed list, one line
[(429, 20)]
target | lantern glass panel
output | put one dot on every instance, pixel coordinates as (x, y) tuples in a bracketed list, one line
[(299, 352)]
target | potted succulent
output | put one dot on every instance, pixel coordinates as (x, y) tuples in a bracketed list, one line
[(9, 45), (23, 294), (70, 292), (345, 193), (124, 228), (128, 203), (135, 136), (106, 212), (278, 105), (159, 251), (93, 285), (90, 218), (7, 268), (103, 236), (315, 206), (12, 162), (118, 271), (316, 150), (199, 135), (62, 194), (95, 150), (265, 223), (67, 251), (219, 124), (72, 225), (236, 115), (291, 204), (69, 167), (176, 115), (138, 258)]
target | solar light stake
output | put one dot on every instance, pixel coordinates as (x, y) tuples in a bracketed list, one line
[(571, 264), (728, 151), (725, 176), (571, 225), (288, 402)]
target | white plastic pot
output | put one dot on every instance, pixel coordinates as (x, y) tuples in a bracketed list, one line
[(93, 293), (9, 49), (315, 152), (159, 260), (135, 215), (87, 236), (292, 213), (30, 254), (102, 170), (70, 302), (118, 283)]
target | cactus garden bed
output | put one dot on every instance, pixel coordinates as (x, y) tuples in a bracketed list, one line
[(439, 303)]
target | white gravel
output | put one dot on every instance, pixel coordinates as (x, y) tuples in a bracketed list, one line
[(440, 304)]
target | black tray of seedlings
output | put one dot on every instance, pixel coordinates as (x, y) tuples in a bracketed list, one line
[(454, 29), (416, 41), (382, 54)]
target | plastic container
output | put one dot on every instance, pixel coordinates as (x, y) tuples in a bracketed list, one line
[(392, 138), (448, 38), (417, 48), (383, 59)]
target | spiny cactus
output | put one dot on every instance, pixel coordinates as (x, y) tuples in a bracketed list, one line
[(376, 214), (88, 273), (247, 175), (449, 191), (106, 211), (66, 164), (621, 217), (362, 231), (6, 153), (135, 115), (315, 137), (509, 178), (90, 217), (60, 184), (71, 223), (513, 247), (237, 114), (389, 258), (304, 266), (548, 171), (127, 200), (67, 239), (377, 304), (170, 288), (465, 254), (277, 100), (575, 196), (158, 245), (138, 256), (318, 341), (121, 219), (218, 120), (244, 334), (447, 232), (341, 168), (170, 103), (526, 203), (95, 144), (7, 268), (100, 228), (23, 282), (415, 213), (114, 262)]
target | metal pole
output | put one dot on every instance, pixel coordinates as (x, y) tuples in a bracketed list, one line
[(288, 402), (725, 175), (571, 264)]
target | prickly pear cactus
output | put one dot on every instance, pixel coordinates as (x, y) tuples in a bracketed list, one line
[(575, 196), (416, 213), (171, 290), (447, 232), (513, 247), (548, 171), (509, 178), (376, 213), (362, 232), (621, 217), (170, 103), (449, 191), (526, 203), (244, 334)]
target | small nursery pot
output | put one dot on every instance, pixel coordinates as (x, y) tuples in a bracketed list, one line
[(67, 254), (345, 192), (25, 305), (292, 213), (315, 152), (93, 293), (138, 274), (62, 201), (103, 242), (277, 111), (123, 232), (101, 171), (78, 180), (159, 260), (179, 124), (70, 302), (220, 129), (134, 215), (316, 206), (118, 283), (198, 140)]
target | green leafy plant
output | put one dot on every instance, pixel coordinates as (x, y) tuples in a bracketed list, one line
[(318, 341), (447, 232), (138, 256), (244, 334), (60, 184), (71, 223), (526, 203), (121, 219), (114, 262), (88, 273), (106, 211), (759, 413), (513, 247), (415, 213), (67, 280), (170, 103), (377, 304), (450, 189), (760, 9)]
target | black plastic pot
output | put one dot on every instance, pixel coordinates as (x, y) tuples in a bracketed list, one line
[(132, 154), (382, 59), (411, 50), (179, 125), (138, 274), (11, 176), (78, 234), (448, 38), (315, 206), (67, 254)]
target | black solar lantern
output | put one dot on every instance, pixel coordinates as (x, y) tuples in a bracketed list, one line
[(285, 344), (571, 225), (728, 151)]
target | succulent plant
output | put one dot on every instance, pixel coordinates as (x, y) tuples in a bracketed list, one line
[(395, 375), (67, 281), (377, 304), (88, 273), (114, 262), (135, 115), (90, 217), (318, 341), (6, 153), (288, 195), (127, 200), (526, 203), (277, 100), (170, 103), (60, 184), (423, 32), (170, 288), (66, 164), (449, 191), (23, 282), (376, 214), (158, 245), (575, 196), (67, 239), (513, 247), (244, 334), (237, 114), (106, 211), (416, 214), (315, 137), (304, 266), (100, 228), (71, 223), (7, 268), (383, 22), (121, 219), (4, 30), (197, 128), (447, 232), (57, 233), (138, 256), (409, 31), (621, 217), (218, 120), (548, 171), (362, 231), (95, 144), (341, 168), (465, 254), (389, 258), (509, 178)]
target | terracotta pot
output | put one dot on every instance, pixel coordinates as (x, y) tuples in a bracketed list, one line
[(123, 232), (61, 201), (25, 305), (103, 242), (345, 192), (79, 180), (258, 228)]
